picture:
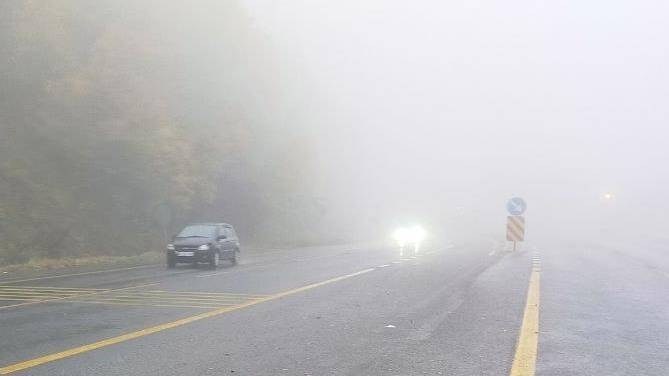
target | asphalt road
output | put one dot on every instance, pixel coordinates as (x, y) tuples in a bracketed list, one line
[(343, 311), (604, 310)]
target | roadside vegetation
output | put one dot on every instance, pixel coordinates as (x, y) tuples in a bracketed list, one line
[(117, 127)]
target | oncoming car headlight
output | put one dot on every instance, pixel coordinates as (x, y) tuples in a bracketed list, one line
[(418, 234), (170, 247), (203, 247), (409, 235), (401, 236)]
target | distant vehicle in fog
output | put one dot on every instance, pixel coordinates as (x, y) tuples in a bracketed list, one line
[(410, 238), (208, 243)]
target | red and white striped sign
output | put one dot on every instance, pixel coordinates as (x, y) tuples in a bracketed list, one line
[(515, 228)]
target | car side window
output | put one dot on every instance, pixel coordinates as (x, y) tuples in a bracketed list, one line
[(231, 233), (222, 231)]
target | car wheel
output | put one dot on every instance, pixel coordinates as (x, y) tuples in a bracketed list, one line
[(235, 255), (171, 263), (215, 260)]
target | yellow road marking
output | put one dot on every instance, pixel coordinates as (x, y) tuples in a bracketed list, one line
[(20, 304), (47, 289), (18, 293), (524, 362), (19, 298), (150, 305), (39, 297), (149, 298), (78, 274), (156, 304), (97, 292), (133, 300), (158, 328), (205, 293), (148, 302), (155, 298), (195, 296), (35, 296)]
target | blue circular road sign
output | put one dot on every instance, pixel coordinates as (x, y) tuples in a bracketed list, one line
[(516, 206)]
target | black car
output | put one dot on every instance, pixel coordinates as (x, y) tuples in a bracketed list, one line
[(204, 242)]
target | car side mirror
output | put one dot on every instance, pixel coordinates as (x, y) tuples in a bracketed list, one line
[(221, 237)]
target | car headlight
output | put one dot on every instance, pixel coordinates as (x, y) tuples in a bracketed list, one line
[(409, 235), (418, 234), (170, 247), (402, 236), (203, 247)]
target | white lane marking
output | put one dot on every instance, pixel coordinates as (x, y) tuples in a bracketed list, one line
[(232, 270), (261, 264), (383, 266), (396, 262), (495, 247), (212, 274), (78, 274)]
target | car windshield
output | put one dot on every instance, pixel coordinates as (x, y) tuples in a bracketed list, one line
[(198, 231)]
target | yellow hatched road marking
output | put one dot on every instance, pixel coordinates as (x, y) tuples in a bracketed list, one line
[(169, 325), (60, 293), (139, 301), (524, 361), (41, 288), (20, 298), (155, 298), (205, 293), (25, 303), (78, 274), (198, 295), (36, 293), (39, 295), (112, 302), (138, 297), (33, 297), (58, 299), (157, 304)]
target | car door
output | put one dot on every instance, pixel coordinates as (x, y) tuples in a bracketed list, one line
[(233, 238), (221, 240), (225, 244)]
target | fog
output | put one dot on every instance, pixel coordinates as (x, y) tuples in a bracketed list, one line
[(308, 122), (439, 112)]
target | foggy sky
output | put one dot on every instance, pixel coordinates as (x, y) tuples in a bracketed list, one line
[(425, 109)]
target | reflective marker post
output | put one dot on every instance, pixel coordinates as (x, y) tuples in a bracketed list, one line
[(515, 229), (515, 223)]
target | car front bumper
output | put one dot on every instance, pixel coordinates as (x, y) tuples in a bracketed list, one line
[(190, 256)]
